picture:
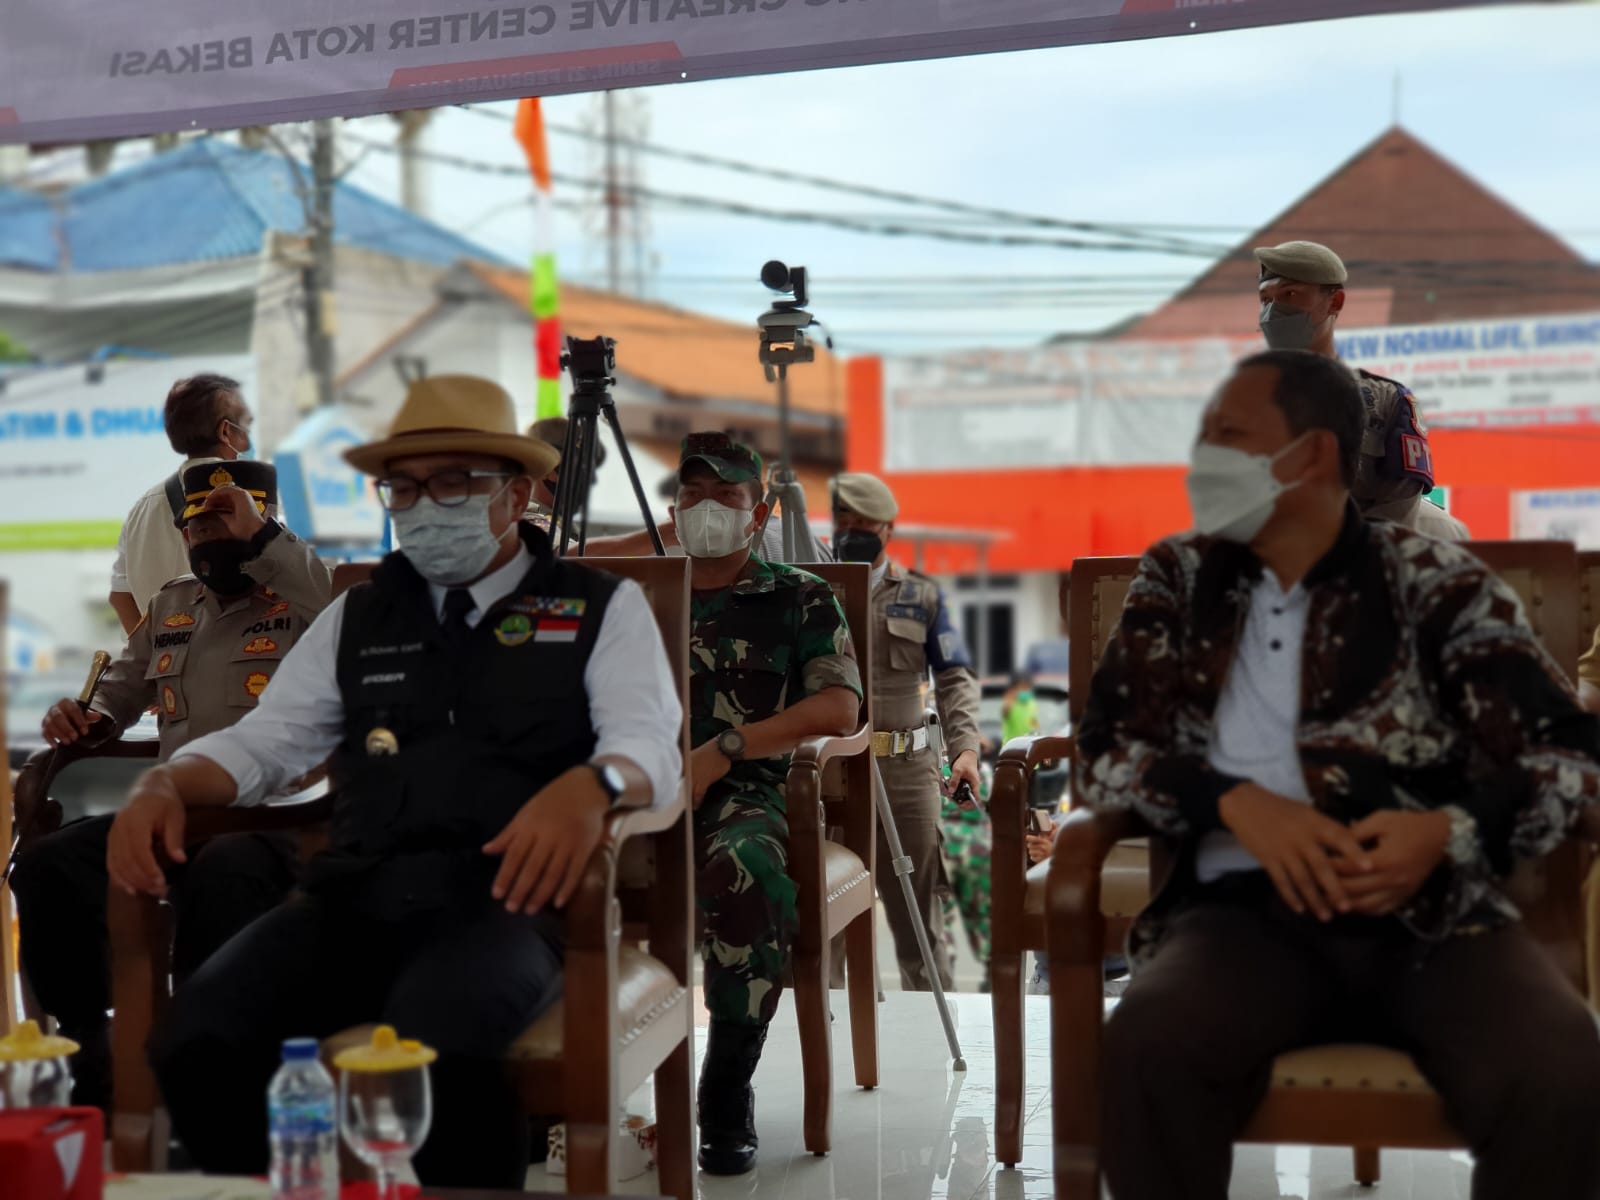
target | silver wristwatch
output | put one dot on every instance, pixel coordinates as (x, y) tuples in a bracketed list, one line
[(730, 742)]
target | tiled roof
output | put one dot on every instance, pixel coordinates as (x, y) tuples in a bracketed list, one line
[(204, 201), (682, 353), (1423, 241)]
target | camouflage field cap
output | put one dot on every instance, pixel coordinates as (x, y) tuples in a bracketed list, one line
[(734, 462)]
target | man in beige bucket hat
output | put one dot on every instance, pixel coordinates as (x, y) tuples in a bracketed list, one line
[(485, 704)]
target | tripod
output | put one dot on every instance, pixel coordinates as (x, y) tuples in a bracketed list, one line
[(591, 362), (784, 342)]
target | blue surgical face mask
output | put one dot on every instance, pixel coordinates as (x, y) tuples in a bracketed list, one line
[(249, 451), (448, 546)]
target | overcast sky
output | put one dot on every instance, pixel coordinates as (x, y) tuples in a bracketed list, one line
[(1222, 129)]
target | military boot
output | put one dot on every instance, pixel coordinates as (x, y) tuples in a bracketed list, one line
[(727, 1101)]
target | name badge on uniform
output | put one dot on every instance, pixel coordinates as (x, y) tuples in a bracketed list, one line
[(381, 743)]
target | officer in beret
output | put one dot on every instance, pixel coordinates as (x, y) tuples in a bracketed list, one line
[(911, 634), (206, 649), (1302, 293)]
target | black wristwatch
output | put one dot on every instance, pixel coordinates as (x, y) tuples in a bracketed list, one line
[(730, 743), (611, 781), (268, 531)]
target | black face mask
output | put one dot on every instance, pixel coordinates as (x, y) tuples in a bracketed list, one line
[(856, 545), (218, 565)]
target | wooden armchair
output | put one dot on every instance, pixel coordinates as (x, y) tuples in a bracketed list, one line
[(1589, 622), (626, 1011), (33, 813), (1361, 1096), (1016, 902), (835, 880)]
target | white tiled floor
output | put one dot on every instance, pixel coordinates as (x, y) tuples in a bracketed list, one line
[(926, 1132)]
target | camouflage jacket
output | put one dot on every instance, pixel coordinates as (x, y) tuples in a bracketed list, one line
[(775, 637), (1422, 686)]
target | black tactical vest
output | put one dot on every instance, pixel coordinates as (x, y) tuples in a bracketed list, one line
[(441, 749)]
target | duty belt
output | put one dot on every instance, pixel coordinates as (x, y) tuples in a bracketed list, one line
[(895, 742)]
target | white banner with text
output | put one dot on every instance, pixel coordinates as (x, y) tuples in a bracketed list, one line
[(77, 69)]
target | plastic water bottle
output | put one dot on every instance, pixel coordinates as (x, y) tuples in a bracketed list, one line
[(302, 1115)]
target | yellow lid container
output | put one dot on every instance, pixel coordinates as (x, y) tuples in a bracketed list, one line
[(387, 1051), (27, 1044)]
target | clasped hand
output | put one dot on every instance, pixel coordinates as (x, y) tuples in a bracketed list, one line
[(1371, 868)]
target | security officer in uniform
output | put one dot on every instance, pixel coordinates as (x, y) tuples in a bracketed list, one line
[(202, 655), (485, 705), (1301, 291), (771, 665), (911, 633)]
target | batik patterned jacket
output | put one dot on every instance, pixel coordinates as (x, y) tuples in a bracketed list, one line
[(1422, 686)]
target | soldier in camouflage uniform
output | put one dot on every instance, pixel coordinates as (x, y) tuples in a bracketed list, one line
[(968, 845), (771, 665)]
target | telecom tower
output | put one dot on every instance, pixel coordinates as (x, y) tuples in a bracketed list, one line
[(615, 220)]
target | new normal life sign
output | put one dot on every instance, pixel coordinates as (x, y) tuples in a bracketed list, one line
[(76, 69)]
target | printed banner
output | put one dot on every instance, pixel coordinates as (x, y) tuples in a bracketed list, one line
[(1126, 403), (76, 451), (77, 69), (1559, 516), (1484, 374)]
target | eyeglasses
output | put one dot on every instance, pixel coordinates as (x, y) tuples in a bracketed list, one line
[(448, 489)]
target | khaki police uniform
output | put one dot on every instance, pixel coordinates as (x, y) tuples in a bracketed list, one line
[(204, 660), (911, 635), (1381, 489), (1382, 397)]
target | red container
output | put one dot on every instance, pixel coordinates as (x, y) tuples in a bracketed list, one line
[(52, 1154)]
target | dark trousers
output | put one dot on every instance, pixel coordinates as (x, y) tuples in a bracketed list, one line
[(60, 885), (1510, 1046), (464, 981)]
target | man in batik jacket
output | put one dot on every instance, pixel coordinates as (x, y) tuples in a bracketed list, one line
[(1351, 732)]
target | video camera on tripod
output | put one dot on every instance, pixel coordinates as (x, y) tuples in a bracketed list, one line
[(784, 343), (783, 326), (592, 364)]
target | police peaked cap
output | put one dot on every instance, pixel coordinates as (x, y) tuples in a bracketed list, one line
[(259, 479)]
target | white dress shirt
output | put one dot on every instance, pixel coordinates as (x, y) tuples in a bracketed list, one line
[(1253, 731), (633, 703)]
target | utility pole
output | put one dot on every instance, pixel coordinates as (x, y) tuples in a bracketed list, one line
[(613, 199), (319, 274), (412, 122)]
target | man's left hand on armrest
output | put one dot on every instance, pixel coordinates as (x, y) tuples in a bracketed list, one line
[(832, 712)]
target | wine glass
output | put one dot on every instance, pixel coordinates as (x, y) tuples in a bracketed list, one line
[(33, 1069), (385, 1104)]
